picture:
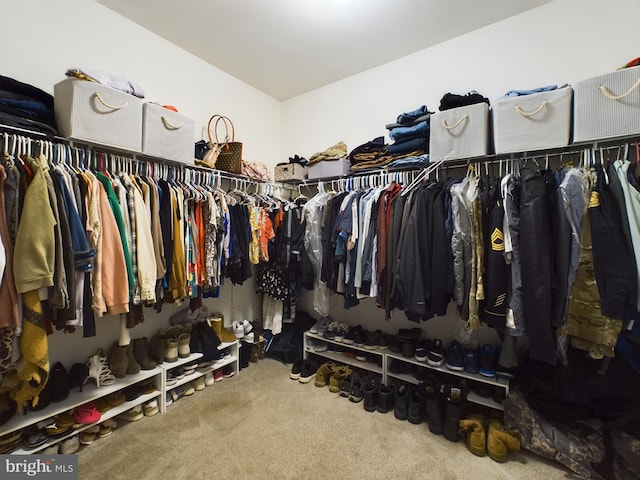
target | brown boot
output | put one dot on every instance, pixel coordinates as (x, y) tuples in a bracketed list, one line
[(141, 352), (476, 435), (499, 440), (118, 360), (222, 333), (133, 366), (158, 348)]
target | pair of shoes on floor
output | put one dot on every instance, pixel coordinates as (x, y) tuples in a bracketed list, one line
[(303, 371), (494, 440)]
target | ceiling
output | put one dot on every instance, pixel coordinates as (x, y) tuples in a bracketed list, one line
[(288, 47)]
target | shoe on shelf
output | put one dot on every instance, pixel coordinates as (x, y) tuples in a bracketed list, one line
[(455, 358), (247, 326), (172, 350), (70, 445), (321, 347), (349, 336), (118, 360), (360, 337), (184, 350), (58, 382), (320, 326), (308, 372), (218, 375), (99, 369), (372, 341), (168, 399), (132, 415), (89, 435), (208, 379), (422, 347), (473, 429), (488, 360), (296, 368), (330, 332), (142, 353), (150, 408), (385, 341), (228, 371), (471, 360), (401, 401), (86, 414), (435, 355), (499, 441), (341, 331), (33, 437), (107, 427)]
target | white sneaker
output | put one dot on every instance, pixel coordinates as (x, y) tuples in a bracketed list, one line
[(246, 324), (208, 379), (238, 329), (249, 337), (320, 326)]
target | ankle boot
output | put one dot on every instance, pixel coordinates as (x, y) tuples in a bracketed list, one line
[(158, 348), (385, 398), (58, 382), (222, 333), (141, 352), (475, 433), (133, 366), (401, 402), (370, 396), (455, 405), (499, 440), (172, 350), (118, 361), (183, 345), (434, 407), (417, 405)]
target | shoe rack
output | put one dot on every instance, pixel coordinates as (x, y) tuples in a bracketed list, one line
[(89, 393), (379, 367), (442, 369), (385, 357), (233, 359)]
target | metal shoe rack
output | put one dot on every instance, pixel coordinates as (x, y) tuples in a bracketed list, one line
[(386, 357)]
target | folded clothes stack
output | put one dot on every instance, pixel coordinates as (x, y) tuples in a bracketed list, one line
[(117, 82), (452, 100), (25, 106), (410, 132)]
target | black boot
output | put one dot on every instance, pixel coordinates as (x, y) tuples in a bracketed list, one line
[(456, 403), (401, 401), (417, 404), (385, 398), (434, 406), (370, 396)]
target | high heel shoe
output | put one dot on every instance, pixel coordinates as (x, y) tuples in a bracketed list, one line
[(99, 370), (78, 375)]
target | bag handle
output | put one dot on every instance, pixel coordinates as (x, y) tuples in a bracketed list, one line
[(227, 122), (451, 127), (605, 91), (111, 107), (531, 114)]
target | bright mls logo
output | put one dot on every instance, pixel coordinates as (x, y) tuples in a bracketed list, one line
[(59, 467)]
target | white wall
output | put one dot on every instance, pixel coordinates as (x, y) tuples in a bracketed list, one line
[(561, 42), (42, 38)]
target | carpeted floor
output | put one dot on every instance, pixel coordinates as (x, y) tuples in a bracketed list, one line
[(262, 425)]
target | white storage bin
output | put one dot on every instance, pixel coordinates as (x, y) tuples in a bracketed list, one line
[(330, 168), (607, 106), (532, 122), (92, 112), (463, 130), (167, 134)]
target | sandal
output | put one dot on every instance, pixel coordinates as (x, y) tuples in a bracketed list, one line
[(99, 370)]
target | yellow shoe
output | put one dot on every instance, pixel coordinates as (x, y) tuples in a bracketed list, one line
[(476, 435), (499, 441)]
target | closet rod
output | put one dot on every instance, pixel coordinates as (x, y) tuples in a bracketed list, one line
[(16, 138)]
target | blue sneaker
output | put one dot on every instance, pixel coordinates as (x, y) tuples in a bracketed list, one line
[(488, 360), (455, 358), (471, 360)]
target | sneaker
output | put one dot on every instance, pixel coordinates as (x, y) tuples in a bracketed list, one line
[(435, 355), (385, 341), (132, 415), (247, 326), (345, 386), (296, 369), (360, 337), (455, 359), (471, 360), (198, 384), (218, 376), (320, 326), (70, 445), (238, 329), (150, 409), (341, 331), (321, 347), (228, 371), (350, 335), (422, 347), (168, 399), (330, 332), (488, 360), (308, 372), (371, 343), (356, 393), (208, 379)]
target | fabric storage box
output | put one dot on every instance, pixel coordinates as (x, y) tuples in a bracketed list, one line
[(607, 106), (463, 130), (167, 134), (330, 168), (532, 122), (92, 112), (289, 172)]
